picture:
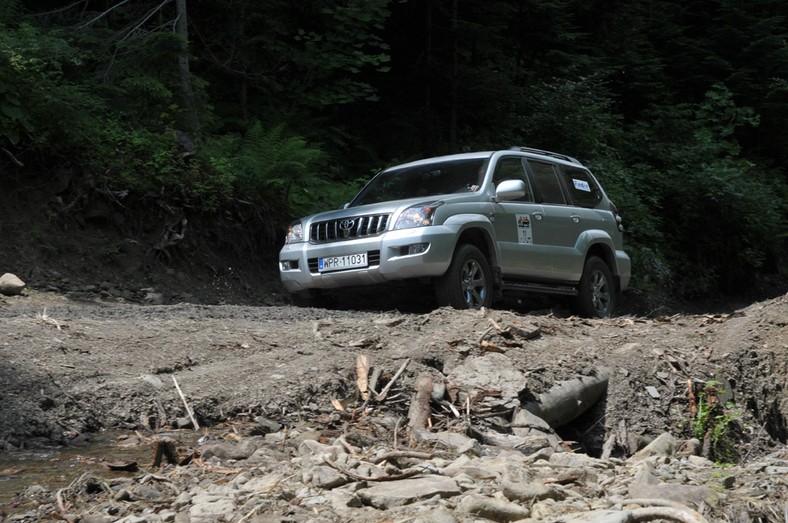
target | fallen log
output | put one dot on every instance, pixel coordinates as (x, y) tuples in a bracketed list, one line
[(569, 399)]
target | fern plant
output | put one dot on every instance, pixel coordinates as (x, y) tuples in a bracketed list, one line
[(271, 165)]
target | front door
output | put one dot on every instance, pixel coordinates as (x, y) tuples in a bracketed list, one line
[(517, 224)]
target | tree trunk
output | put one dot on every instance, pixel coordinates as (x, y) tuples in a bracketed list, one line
[(192, 121), (454, 78)]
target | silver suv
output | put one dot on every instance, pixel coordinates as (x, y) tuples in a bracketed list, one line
[(477, 225)]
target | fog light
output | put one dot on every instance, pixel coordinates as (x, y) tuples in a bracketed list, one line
[(288, 265), (418, 248)]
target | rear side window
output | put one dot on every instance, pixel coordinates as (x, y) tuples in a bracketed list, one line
[(582, 186), (547, 184), (512, 168)]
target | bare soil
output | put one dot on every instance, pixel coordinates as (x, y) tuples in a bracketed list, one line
[(70, 367)]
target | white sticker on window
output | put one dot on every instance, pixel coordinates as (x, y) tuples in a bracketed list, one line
[(524, 234), (581, 185)]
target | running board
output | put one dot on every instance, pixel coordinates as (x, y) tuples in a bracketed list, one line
[(542, 288)]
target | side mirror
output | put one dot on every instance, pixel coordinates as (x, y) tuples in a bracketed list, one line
[(510, 190)]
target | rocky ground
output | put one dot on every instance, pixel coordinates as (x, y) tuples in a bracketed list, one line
[(394, 413), (377, 408)]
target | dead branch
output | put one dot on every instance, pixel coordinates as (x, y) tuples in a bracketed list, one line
[(394, 454), (419, 412), (569, 399), (102, 15), (607, 448), (373, 380), (362, 375), (11, 156), (359, 477), (385, 391), (353, 451), (46, 319), (60, 503), (186, 404)]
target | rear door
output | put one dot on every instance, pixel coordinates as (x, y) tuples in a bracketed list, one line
[(586, 195), (522, 244)]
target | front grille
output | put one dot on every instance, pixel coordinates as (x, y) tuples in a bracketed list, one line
[(348, 228), (373, 260)]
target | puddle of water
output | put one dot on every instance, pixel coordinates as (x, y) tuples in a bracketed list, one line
[(55, 468)]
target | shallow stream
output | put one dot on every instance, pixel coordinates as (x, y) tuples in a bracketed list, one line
[(54, 468)]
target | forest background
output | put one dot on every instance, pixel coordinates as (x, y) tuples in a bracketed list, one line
[(243, 115)]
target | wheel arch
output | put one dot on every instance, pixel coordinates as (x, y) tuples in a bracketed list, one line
[(605, 252), (483, 240)]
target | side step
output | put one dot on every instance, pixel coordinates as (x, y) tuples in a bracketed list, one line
[(541, 288)]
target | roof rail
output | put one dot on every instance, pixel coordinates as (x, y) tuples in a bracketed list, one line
[(546, 153)]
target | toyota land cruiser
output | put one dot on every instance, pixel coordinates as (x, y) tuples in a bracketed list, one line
[(477, 225)]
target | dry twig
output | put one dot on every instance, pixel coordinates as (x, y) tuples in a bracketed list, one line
[(186, 404), (46, 319), (394, 454), (359, 477), (385, 391)]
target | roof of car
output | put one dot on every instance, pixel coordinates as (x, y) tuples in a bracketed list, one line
[(486, 154), (448, 157)]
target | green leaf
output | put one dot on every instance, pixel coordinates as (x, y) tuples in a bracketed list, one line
[(12, 111)]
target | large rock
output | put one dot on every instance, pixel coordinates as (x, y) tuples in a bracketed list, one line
[(646, 485), (663, 445), (11, 285), (493, 509), (407, 491), (491, 381)]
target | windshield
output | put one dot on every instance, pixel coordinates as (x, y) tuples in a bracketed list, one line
[(452, 176)]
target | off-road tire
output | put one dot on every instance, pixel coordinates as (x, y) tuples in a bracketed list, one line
[(596, 294), (468, 284)]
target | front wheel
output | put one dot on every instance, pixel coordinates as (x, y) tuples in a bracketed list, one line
[(468, 283), (596, 294)]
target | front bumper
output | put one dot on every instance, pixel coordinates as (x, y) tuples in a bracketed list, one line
[(387, 256)]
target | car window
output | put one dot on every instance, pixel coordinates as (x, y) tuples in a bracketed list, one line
[(512, 168), (582, 186), (547, 182), (431, 179)]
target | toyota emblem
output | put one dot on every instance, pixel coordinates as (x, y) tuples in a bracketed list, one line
[(346, 225)]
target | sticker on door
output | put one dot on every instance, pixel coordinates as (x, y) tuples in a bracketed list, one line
[(524, 234)]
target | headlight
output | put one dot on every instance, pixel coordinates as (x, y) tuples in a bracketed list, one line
[(295, 233), (417, 216)]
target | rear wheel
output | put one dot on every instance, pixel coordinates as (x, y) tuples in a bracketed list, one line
[(596, 297), (468, 283)]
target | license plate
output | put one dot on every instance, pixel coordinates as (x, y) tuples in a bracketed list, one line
[(338, 263)]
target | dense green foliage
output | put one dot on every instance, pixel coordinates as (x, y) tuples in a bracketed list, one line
[(680, 108)]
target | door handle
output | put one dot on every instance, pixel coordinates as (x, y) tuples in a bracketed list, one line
[(575, 218), (538, 215)]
